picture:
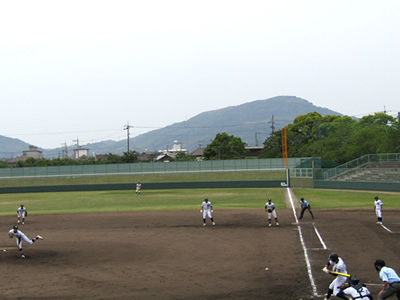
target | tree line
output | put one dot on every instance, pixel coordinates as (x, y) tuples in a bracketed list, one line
[(127, 157), (336, 139)]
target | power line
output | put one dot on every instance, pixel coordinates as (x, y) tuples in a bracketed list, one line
[(60, 132), (143, 127)]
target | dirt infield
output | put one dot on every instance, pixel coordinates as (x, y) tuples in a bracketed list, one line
[(169, 255)]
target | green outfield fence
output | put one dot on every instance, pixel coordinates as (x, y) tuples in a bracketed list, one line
[(154, 168), (194, 174), (303, 173)]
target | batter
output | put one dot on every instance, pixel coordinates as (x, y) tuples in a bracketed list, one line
[(339, 266)]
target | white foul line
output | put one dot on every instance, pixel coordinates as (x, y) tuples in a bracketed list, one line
[(384, 227), (319, 236), (310, 276)]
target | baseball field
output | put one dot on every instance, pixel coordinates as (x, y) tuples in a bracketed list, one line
[(116, 245)]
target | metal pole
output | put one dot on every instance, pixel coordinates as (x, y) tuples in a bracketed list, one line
[(126, 127)]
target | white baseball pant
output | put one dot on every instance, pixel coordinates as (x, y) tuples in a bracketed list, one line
[(206, 212)]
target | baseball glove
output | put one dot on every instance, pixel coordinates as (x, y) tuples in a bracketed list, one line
[(269, 210), (10, 235)]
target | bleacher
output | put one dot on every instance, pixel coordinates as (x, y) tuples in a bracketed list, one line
[(385, 171)]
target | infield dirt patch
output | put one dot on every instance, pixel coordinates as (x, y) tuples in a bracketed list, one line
[(170, 255)]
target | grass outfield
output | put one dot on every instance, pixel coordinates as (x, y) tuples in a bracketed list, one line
[(146, 178), (241, 198), (103, 201)]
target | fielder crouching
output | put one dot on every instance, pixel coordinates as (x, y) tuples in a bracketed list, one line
[(19, 235), (357, 290)]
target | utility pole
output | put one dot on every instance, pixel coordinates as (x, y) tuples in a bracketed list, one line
[(126, 127), (256, 135), (77, 146), (284, 147), (64, 150), (272, 125)]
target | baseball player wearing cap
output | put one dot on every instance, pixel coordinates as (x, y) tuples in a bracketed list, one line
[(339, 266), (357, 290), (206, 208), (378, 209), (138, 188), (21, 214), (304, 206), (270, 208), (19, 235)]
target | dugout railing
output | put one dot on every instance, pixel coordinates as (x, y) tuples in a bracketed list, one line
[(359, 162)]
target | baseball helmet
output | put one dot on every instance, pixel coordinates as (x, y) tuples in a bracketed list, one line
[(354, 280), (333, 257), (15, 227)]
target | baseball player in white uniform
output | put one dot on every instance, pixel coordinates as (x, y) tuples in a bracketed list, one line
[(338, 265), (138, 188), (21, 214), (270, 208), (357, 290), (206, 208), (19, 235), (378, 209)]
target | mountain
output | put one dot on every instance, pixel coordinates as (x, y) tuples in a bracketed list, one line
[(253, 122), (10, 147)]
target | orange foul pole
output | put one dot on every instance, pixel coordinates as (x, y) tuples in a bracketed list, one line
[(284, 147)]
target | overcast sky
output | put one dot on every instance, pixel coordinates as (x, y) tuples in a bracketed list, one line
[(84, 69)]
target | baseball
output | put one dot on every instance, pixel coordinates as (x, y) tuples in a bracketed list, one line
[(4, 250), (266, 269)]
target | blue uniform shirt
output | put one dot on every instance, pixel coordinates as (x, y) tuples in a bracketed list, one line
[(388, 274), (304, 203)]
